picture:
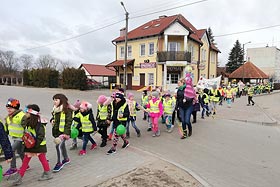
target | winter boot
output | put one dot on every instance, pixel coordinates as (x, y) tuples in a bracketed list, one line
[(190, 132), (45, 176), (184, 134), (103, 144), (18, 179)]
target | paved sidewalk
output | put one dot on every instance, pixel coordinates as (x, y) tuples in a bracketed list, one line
[(239, 110)]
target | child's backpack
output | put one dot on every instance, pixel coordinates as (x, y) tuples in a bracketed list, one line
[(29, 140)]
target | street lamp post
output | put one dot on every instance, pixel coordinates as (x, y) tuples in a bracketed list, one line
[(244, 60), (125, 47)]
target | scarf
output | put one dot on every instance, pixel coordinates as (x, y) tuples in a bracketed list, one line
[(57, 109), (182, 87)]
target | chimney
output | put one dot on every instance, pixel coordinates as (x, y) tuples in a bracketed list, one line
[(122, 32), (163, 16)]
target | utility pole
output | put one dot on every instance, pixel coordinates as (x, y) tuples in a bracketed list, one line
[(244, 60), (125, 49)]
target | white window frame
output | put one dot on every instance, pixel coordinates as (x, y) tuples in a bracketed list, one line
[(153, 52), (151, 79), (129, 52), (176, 46), (144, 51), (121, 51)]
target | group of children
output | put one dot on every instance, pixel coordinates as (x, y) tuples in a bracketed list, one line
[(111, 111)]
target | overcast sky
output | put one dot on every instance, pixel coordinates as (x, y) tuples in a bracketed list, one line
[(31, 23)]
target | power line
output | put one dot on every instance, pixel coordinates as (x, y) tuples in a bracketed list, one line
[(74, 37), (94, 30), (246, 31), (188, 4)]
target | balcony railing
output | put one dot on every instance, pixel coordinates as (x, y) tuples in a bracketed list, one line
[(163, 56)]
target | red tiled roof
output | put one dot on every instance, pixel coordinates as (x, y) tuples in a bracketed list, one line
[(98, 70), (118, 63), (157, 26), (200, 33), (250, 71)]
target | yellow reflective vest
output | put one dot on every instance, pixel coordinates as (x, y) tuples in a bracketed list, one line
[(103, 112), (144, 100), (206, 99), (229, 94), (251, 91), (168, 106), (29, 129), (86, 123), (14, 125), (62, 121), (154, 107), (121, 111), (133, 110), (214, 96)]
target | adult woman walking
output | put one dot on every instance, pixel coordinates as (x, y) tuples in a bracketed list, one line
[(185, 98)]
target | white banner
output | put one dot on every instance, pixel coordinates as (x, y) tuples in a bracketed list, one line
[(208, 83)]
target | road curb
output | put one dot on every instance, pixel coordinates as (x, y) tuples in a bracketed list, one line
[(273, 123), (193, 174)]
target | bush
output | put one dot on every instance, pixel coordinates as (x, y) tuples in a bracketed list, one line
[(45, 77), (74, 79)]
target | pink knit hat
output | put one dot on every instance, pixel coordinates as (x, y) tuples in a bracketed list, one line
[(129, 95), (77, 104), (85, 105), (101, 99)]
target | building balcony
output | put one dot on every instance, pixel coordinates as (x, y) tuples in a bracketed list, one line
[(163, 56)]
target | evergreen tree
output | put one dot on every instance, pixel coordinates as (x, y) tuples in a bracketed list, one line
[(235, 59), (211, 37)]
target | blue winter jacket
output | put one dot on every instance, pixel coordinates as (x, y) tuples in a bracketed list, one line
[(5, 143)]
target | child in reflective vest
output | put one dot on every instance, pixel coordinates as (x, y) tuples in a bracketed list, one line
[(34, 127), (75, 108), (15, 125), (155, 109), (204, 103), (85, 120), (61, 128), (168, 109), (133, 107), (103, 118), (229, 95)]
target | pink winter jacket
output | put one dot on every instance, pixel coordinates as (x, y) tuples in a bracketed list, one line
[(153, 114)]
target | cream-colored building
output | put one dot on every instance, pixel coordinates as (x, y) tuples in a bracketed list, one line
[(159, 52), (267, 59)]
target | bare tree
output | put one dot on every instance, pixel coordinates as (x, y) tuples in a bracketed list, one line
[(8, 61), (47, 61), (64, 64), (26, 61)]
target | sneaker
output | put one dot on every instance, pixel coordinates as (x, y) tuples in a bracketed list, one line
[(17, 179), (93, 146), (74, 146), (57, 167), (45, 176), (202, 117), (138, 134), (154, 135), (10, 171), (253, 104), (111, 151), (125, 144), (65, 161), (82, 152), (158, 133), (149, 129), (103, 144), (248, 104), (170, 129)]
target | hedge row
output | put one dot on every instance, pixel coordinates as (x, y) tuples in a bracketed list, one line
[(70, 78)]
